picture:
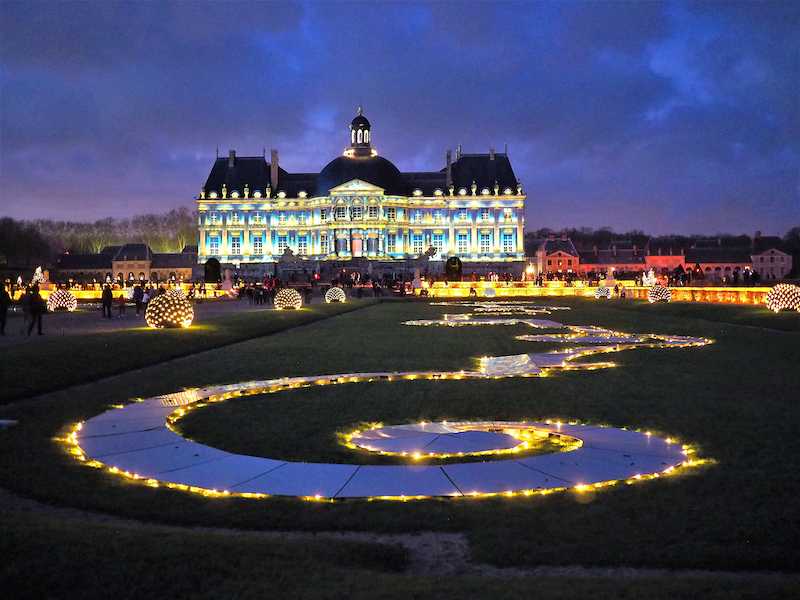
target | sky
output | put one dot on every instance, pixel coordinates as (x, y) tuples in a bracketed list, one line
[(675, 117)]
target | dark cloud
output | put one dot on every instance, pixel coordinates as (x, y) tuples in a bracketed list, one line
[(660, 116)]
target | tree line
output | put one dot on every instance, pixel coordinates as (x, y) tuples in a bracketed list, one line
[(25, 242)]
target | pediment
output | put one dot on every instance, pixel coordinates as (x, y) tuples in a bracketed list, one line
[(356, 185)]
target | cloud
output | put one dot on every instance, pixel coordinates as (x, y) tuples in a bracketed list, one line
[(659, 116)]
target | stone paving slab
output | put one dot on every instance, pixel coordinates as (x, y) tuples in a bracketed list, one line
[(373, 480)]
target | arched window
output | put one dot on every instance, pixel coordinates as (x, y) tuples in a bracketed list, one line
[(360, 136), (352, 136), (366, 136)]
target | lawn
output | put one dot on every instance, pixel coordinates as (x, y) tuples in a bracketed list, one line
[(736, 399), (57, 362)]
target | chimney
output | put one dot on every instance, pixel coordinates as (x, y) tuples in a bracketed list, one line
[(458, 152), (594, 249), (563, 236), (635, 249), (491, 153), (273, 169), (231, 158), (449, 158)]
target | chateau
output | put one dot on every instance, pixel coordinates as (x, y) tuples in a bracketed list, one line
[(361, 208)]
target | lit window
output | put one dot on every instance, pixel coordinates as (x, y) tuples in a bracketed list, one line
[(508, 244), (282, 218), (323, 214), (236, 246), (391, 242), (437, 216), (484, 214), (438, 242), (416, 243), (258, 246), (391, 213), (416, 216), (341, 213), (302, 245), (462, 215), (360, 136), (372, 212), (282, 245), (485, 242), (366, 136), (213, 245), (356, 212), (301, 217), (462, 243), (234, 217), (323, 244)]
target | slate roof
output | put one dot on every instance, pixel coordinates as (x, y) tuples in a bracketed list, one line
[(255, 172), (767, 242), (84, 262), (607, 258), (559, 245), (174, 260), (718, 255), (133, 252)]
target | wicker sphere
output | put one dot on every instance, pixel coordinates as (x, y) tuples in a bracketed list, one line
[(62, 300), (783, 296), (169, 310), (176, 292), (288, 299), (659, 293), (603, 292), (335, 294)]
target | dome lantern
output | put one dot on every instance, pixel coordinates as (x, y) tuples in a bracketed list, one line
[(360, 135)]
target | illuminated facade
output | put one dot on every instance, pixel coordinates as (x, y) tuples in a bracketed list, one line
[(361, 206)]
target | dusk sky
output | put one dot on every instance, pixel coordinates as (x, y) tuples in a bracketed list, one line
[(667, 117)]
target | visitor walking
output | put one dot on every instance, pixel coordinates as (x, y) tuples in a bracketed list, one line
[(37, 309), (107, 298), (121, 303), (5, 302), (138, 295)]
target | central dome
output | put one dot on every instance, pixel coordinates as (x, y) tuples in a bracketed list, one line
[(373, 169)]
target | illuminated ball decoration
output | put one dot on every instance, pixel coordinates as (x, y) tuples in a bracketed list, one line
[(169, 310), (602, 292), (335, 294), (288, 299), (658, 293), (176, 292), (61, 300), (783, 296), (489, 292)]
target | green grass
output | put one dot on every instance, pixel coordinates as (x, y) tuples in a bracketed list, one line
[(736, 398), (309, 428), (57, 362), (48, 557)]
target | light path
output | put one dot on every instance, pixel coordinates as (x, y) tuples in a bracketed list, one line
[(138, 441)]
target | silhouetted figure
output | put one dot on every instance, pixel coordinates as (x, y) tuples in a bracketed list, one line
[(107, 298), (5, 302), (37, 308)]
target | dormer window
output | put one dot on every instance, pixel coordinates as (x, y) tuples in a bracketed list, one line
[(418, 192)]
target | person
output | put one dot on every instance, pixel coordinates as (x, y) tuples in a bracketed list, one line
[(121, 303), (37, 309), (138, 295), (106, 299), (5, 302)]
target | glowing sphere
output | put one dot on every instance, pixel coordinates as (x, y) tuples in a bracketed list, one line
[(176, 292), (489, 292), (783, 296), (602, 292), (169, 310), (335, 294), (659, 293), (288, 299), (61, 300)]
